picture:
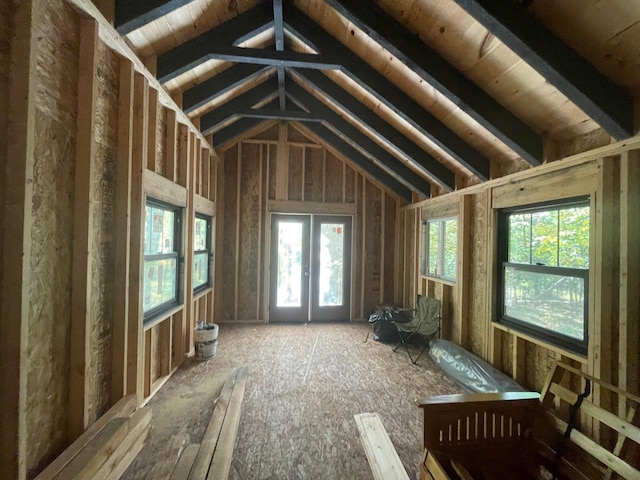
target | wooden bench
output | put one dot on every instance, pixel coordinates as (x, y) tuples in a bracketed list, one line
[(526, 435)]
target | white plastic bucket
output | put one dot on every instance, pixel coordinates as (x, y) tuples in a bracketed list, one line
[(206, 350), (206, 334)]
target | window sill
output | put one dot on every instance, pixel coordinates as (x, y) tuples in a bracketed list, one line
[(161, 317), (202, 293), (542, 343), (451, 283)]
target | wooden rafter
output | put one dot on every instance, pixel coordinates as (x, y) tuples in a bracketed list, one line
[(359, 140), (306, 30), (386, 132), (183, 57), (605, 102), (436, 71), (210, 89), (188, 60), (216, 118)]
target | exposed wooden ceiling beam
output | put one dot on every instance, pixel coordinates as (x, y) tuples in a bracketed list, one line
[(609, 105), (207, 91), (377, 125), (305, 29), (214, 119), (179, 64), (235, 130), (275, 114), (131, 15), (279, 34), (186, 55), (435, 70), (358, 140)]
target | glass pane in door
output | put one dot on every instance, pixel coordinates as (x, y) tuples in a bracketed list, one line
[(289, 289), (331, 264)]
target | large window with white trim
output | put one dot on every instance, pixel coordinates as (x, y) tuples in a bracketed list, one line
[(543, 274), (439, 248), (161, 247)]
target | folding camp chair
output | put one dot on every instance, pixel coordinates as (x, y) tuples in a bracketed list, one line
[(424, 325)]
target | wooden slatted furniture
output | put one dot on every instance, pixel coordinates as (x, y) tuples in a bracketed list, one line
[(526, 435)]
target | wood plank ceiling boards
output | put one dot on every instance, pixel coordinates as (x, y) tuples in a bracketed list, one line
[(395, 82)]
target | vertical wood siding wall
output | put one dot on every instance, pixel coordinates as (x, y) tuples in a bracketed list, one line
[(91, 138), (610, 176), (308, 178)]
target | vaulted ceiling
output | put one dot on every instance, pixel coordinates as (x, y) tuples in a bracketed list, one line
[(416, 92)]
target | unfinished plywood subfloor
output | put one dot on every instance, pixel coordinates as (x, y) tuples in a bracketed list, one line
[(305, 384)]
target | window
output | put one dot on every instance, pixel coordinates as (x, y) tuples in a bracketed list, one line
[(161, 247), (544, 272), (440, 248), (201, 253)]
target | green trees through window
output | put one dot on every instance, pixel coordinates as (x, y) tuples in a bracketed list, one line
[(544, 271), (161, 243), (440, 248)]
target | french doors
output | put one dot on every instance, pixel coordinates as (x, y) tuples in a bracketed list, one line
[(310, 268)]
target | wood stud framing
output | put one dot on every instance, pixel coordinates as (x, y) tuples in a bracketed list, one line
[(83, 231)]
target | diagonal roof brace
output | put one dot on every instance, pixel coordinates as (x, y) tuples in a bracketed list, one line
[(377, 126), (182, 58), (358, 140), (302, 27), (213, 120), (131, 15), (207, 91)]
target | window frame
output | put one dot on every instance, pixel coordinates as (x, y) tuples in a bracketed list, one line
[(552, 337), (209, 251), (425, 248), (158, 310)]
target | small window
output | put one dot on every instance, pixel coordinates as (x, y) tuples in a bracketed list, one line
[(161, 247), (544, 272), (201, 253), (439, 255)]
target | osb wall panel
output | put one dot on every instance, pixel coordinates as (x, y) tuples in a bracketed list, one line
[(57, 29), (478, 274), (102, 249), (333, 178), (230, 232), (538, 361), (161, 134), (390, 209), (5, 53), (249, 223), (358, 253), (372, 226)]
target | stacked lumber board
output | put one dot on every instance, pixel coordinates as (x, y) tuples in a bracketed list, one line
[(107, 448), (382, 456), (211, 458)]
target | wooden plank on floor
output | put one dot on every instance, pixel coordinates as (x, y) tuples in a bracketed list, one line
[(125, 407), (221, 462), (166, 462), (139, 425), (210, 439), (382, 456), (185, 462), (87, 463)]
